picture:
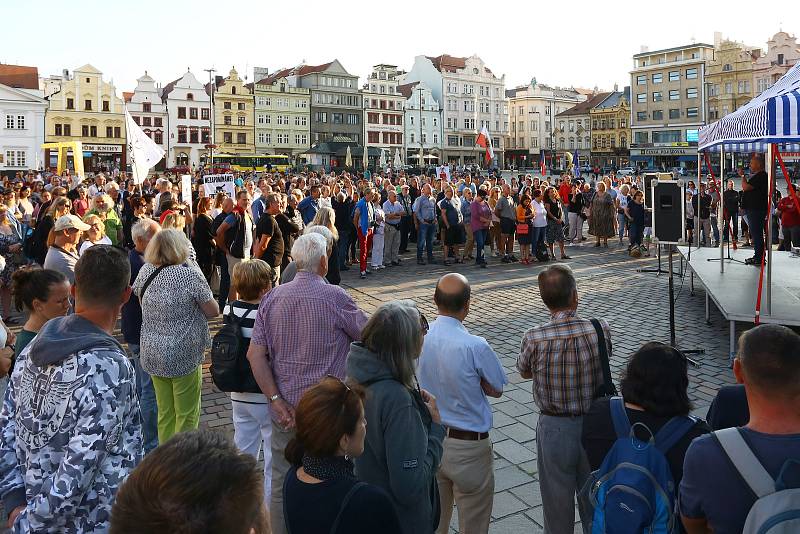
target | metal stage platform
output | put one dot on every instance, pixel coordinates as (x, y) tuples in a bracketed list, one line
[(735, 290)]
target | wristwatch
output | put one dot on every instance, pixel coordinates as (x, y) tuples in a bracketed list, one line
[(274, 398)]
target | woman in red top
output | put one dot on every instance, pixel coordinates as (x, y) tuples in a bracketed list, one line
[(790, 219)]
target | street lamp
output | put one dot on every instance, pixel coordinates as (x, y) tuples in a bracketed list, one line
[(211, 72)]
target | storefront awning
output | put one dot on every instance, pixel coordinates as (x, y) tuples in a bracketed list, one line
[(641, 158)]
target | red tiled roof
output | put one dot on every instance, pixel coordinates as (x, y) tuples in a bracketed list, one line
[(126, 96), (406, 88), (583, 107), (19, 76), (275, 76), (302, 70), (448, 63)]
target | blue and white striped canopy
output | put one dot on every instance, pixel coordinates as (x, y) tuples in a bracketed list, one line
[(771, 117)]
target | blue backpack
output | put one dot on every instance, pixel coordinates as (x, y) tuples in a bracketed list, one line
[(633, 490)]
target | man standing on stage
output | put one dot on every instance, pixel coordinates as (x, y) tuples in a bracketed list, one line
[(754, 202)]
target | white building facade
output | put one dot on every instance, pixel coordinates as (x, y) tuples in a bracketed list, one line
[(150, 112), (471, 98), (22, 114), (423, 123), (188, 121), (383, 111)]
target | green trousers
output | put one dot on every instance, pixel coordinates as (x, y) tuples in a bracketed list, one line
[(178, 402)]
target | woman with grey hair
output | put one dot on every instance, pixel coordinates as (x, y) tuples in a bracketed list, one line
[(403, 447), (326, 217), (287, 275)]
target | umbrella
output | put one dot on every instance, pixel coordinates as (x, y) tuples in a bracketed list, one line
[(382, 161), (348, 158), (431, 156), (413, 156), (397, 161)]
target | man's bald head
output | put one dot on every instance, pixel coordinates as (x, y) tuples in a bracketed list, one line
[(452, 294)]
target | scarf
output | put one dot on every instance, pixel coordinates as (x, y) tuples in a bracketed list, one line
[(328, 468)]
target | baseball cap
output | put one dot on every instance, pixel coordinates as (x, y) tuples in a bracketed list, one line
[(65, 222)]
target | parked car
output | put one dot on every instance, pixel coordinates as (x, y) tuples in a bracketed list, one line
[(626, 171)]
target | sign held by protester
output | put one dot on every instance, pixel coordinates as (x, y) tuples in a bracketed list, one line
[(186, 189), (219, 183), (443, 172)]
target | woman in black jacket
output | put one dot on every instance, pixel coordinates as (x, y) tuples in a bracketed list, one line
[(203, 238)]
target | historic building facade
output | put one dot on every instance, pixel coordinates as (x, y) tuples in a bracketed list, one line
[(233, 104), (611, 130), (188, 121), (383, 111), (423, 124), (282, 116), (149, 112), (22, 111)]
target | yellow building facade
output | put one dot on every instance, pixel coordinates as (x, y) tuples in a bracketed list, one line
[(233, 116), (730, 78), (611, 130), (86, 108)]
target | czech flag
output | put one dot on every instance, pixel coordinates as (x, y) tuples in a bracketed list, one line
[(542, 166), (485, 141)]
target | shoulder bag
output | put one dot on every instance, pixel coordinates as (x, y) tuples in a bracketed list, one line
[(607, 388)]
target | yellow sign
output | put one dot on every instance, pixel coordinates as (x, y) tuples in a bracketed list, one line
[(63, 148)]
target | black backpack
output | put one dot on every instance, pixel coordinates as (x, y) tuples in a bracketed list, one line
[(230, 369)]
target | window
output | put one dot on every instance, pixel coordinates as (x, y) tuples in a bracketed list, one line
[(193, 135), (674, 114), (657, 77), (321, 116), (242, 121), (641, 115), (84, 131), (109, 131), (691, 112), (263, 137), (227, 120), (667, 136), (205, 135), (117, 132), (691, 92), (641, 98), (780, 59), (300, 120), (68, 130), (435, 138), (226, 105), (137, 120), (87, 105), (623, 123), (204, 114), (241, 138), (283, 139), (157, 121), (233, 90), (641, 79), (181, 113), (336, 118), (106, 105), (469, 124), (147, 121), (352, 118), (728, 88), (241, 106), (744, 87), (58, 131), (623, 141), (181, 134), (674, 75), (158, 137), (70, 103), (300, 139), (189, 96), (16, 158), (674, 94), (657, 96), (727, 67), (452, 140), (227, 137), (658, 115), (640, 138), (193, 113), (691, 74)]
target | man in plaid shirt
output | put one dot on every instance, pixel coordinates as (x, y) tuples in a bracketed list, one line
[(563, 359)]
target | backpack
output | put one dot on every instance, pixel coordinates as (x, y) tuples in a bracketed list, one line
[(777, 508), (542, 254), (633, 491), (230, 369)]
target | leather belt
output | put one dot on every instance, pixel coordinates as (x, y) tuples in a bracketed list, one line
[(553, 414), (393, 225), (466, 434)]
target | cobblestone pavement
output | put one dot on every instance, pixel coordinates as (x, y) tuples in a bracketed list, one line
[(505, 303)]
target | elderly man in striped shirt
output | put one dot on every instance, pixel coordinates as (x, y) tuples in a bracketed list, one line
[(563, 359)]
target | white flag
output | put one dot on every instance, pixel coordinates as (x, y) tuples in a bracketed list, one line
[(143, 152)]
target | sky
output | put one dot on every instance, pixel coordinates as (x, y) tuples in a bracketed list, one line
[(580, 44)]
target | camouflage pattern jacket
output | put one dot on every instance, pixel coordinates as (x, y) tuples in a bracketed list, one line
[(70, 431)]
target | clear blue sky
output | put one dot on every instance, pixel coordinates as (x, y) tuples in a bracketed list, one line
[(581, 43)]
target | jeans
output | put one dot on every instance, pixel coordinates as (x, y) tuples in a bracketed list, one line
[(755, 220), (480, 244), (621, 222), (425, 239), (537, 237), (344, 244), (734, 223), (563, 471), (715, 229), (224, 279), (791, 237), (147, 401)]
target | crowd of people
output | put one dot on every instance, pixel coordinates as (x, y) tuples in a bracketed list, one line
[(374, 423)]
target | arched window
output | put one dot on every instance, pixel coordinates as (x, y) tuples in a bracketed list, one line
[(233, 90), (189, 96)]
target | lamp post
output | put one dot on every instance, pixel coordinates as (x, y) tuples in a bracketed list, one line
[(211, 72)]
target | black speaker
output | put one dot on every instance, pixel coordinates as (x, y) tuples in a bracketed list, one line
[(649, 178), (669, 209)]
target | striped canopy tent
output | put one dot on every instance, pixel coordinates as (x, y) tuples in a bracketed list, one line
[(769, 122), (773, 117)]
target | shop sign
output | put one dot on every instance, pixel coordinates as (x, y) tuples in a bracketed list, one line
[(104, 149)]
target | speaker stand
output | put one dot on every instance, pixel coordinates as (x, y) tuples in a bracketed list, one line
[(727, 256), (672, 341), (658, 270)]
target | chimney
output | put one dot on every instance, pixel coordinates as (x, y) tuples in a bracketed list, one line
[(717, 39), (65, 74), (644, 49), (616, 88)]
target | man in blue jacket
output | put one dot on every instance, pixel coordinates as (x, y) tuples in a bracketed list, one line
[(309, 206)]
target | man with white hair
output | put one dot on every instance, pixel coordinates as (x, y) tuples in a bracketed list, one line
[(98, 185), (306, 326)]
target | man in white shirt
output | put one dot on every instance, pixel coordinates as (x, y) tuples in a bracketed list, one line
[(393, 211), (460, 370)]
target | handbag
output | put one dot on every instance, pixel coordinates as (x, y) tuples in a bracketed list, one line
[(523, 228), (607, 388)]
